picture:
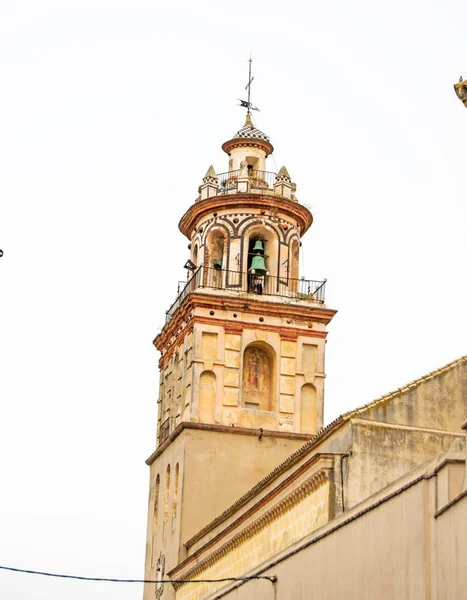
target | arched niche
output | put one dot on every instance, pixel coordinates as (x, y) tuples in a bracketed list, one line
[(155, 520), (308, 409), (214, 258), (207, 397), (175, 498), (258, 377), (167, 495), (156, 503)]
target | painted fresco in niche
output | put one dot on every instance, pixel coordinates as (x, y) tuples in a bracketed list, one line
[(257, 379)]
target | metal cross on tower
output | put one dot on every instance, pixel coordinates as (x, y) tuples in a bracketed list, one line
[(246, 103)]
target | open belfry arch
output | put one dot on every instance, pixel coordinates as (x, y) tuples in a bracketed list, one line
[(242, 351)]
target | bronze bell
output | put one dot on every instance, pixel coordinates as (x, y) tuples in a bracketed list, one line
[(258, 247), (258, 265), (218, 265)]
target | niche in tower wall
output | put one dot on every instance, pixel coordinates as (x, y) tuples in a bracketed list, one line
[(257, 384), (308, 409), (207, 397)]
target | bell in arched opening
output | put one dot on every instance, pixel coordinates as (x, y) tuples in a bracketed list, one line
[(258, 247), (258, 265)]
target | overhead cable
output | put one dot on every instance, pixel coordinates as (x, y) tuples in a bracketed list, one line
[(272, 579)]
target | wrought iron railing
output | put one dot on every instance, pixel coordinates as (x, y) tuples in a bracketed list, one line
[(263, 180), (227, 178), (235, 281)]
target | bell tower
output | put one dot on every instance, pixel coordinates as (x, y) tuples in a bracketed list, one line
[(242, 351)]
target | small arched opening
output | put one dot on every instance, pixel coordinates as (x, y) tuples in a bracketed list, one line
[(214, 259), (175, 499), (156, 503), (260, 258), (167, 495), (155, 518), (294, 264)]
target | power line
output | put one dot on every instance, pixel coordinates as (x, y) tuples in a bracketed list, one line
[(272, 578)]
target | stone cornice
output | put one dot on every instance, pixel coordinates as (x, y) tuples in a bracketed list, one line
[(183, 320), (299, 213), (222, 429), (242, 142), (283, 506)]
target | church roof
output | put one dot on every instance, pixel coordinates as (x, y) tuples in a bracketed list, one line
[(327, 430), (250, 131)]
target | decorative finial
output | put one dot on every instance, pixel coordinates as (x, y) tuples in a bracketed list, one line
[(283, 173), (461, 91), (211, 172), (246, 103)]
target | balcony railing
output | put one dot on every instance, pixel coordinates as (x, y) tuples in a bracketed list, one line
[(259, 180), (208, 278)]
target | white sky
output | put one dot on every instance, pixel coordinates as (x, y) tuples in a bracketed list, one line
[(111, 112)]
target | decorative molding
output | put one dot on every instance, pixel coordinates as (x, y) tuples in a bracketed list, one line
[(286, 435), (283, 506), (241, 202), (171, 335), (286, 334), (160, 572), (248, 143)]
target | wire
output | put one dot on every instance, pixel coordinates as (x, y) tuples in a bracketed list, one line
[(272, 578)]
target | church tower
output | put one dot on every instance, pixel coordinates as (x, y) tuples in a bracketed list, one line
[(242, 351)]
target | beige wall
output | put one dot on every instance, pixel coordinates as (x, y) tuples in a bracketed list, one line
[(381, 454), (209, 462), (449, 579), (280, 529), (398, 550), (439, 402), (214, 461)]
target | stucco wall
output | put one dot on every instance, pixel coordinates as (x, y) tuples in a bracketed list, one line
[(209, 461), (450, 556), (214, 461), (381, 454), (379, 555), (439, 402), (282, 528), (398, 549)]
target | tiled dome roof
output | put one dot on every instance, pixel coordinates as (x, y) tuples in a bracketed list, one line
[(250, 131)]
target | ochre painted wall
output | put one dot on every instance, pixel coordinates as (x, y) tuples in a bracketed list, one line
[(398, 550)]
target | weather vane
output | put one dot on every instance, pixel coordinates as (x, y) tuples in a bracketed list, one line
[(246, 103)]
